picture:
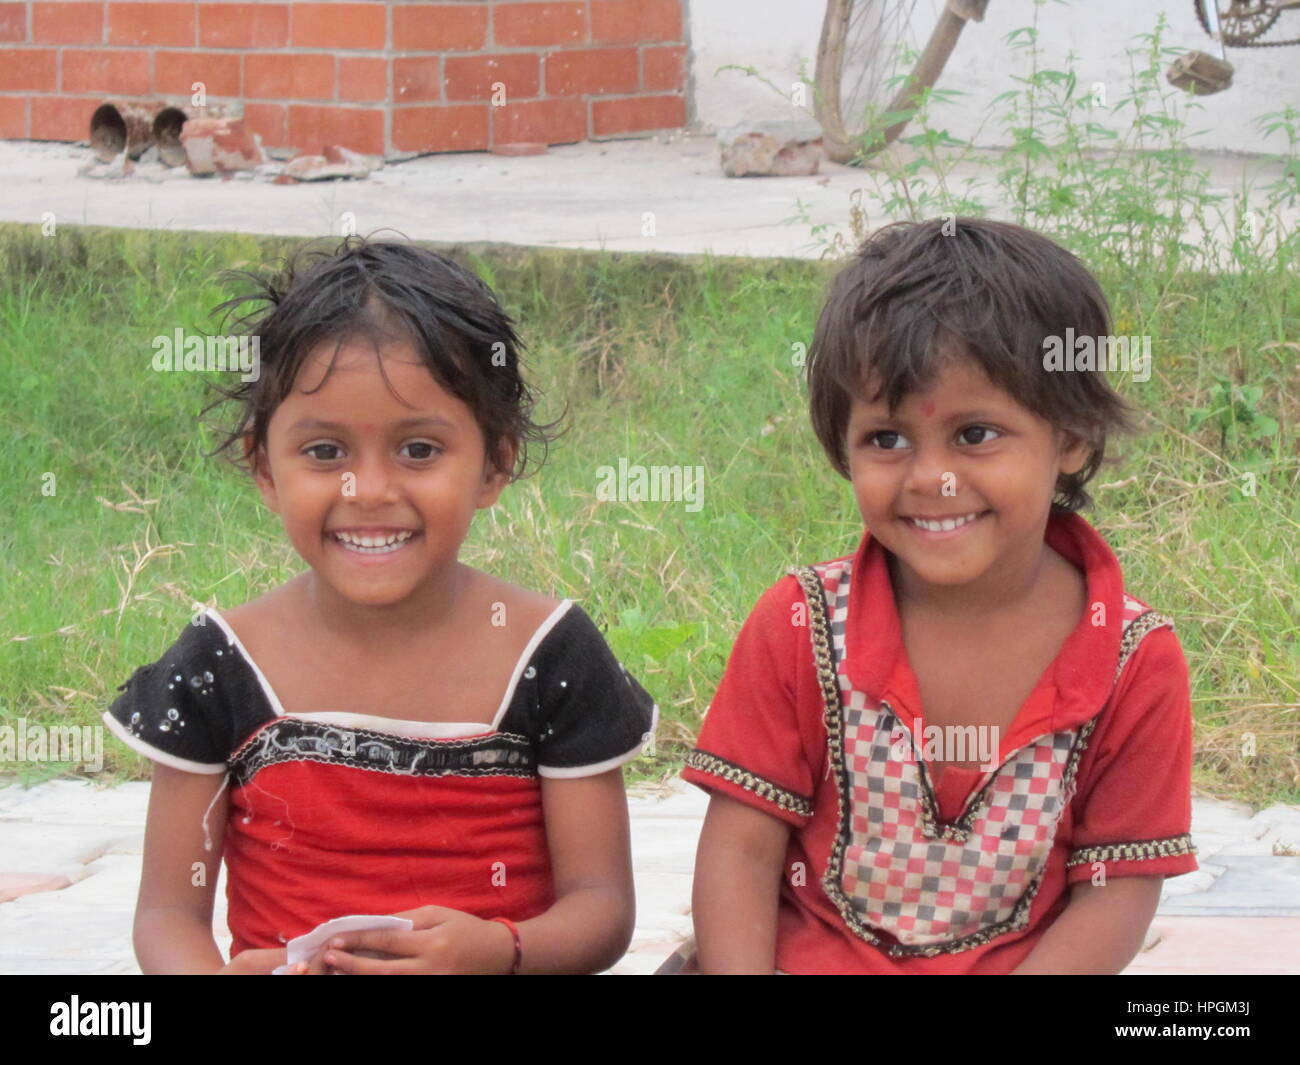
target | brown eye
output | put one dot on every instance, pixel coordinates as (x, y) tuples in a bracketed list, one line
[(323, 452), (422, 449), (887, 440), (978, 434)]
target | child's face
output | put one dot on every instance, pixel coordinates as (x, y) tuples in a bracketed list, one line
[(350, 457), (960, 452)]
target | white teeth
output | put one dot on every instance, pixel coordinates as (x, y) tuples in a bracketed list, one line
[(944, 525), (373, 545)]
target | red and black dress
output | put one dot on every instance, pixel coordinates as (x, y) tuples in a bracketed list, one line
[(341, 813)]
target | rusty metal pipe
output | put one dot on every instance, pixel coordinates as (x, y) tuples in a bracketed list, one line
[(123, 125)]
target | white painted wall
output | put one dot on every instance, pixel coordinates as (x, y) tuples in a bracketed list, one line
[(777, 36)]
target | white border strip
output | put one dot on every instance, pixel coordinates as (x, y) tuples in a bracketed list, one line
[(154, 754), (400, 726), (395, 726), (543, 630), (572, 772), (272, 698)]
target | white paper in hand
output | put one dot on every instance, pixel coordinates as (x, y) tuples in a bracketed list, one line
[(303, 947)]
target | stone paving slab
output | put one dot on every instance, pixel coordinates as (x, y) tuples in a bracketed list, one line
[(1234, 945), (80, 965), (658, 194), (46, 926), (1188, 883), (1239, 913), (70, 801), (16, 885), (111, 882), (665, 829), (1251, 885), (54, 849)]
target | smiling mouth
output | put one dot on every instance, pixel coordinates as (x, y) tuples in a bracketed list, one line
[(372, 543), (935, 525)]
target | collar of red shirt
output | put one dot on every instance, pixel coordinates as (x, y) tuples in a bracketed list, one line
[(1071, 691)]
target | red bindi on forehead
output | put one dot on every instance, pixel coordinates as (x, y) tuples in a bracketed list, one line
[(927, 407)]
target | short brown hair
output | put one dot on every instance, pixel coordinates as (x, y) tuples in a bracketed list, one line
[(919, 293)]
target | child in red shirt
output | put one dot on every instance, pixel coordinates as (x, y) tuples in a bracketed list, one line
[(964, 748)]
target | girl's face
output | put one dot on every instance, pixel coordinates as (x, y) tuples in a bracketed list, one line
[(958, 482), (376, 480)]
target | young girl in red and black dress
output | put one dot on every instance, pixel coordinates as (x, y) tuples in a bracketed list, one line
[(392, 731), (857, 822)]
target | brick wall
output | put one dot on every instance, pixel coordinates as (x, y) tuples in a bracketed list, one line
[(379, 76)]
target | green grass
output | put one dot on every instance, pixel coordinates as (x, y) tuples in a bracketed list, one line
[(662, 360)]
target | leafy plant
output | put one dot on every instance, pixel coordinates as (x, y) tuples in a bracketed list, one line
[(1235, 410), (636, 641)]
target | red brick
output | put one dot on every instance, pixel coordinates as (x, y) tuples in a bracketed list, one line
[(120, 71), (610, 118), (13, 22), (416, 78), (539, 24), (556, 121), (439, 27), (472, 77), (441, 129), (61, 118), (176, 72), (243, 25), (595, 71), (663, 69), (13, 117), (288, 77), (68, 23), (312, 128), (363, 80), (271, 121), (155, 24), (28, 70), (635, 21), (339, 26)]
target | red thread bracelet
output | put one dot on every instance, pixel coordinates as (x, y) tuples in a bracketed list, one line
[(519, 950)]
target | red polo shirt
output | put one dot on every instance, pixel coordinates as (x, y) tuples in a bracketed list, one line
[(1127, 792)]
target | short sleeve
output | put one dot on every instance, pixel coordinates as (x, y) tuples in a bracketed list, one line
[(751, 747), (176, 710), (592, 714), (1133, 806)]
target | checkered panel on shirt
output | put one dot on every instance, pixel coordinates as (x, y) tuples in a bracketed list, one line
[(917, 886)]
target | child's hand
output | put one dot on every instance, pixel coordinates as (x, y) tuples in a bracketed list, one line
[(444, 941), (255, 963)]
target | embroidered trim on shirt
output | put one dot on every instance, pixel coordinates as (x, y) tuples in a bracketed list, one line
[(704, 762), (1064, 749), (1145, 850), (819, 631), (1134, 632), (289, 739)]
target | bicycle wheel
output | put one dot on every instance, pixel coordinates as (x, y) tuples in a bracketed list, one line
[(871, 66), (1241, 21)]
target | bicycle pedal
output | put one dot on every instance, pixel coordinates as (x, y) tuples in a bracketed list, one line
[(1200, 73)]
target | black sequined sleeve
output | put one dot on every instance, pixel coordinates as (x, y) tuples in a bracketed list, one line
[(178, 711), (592, 714)]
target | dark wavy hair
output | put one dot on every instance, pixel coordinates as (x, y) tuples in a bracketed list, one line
[(919, 293), (381, 291)]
